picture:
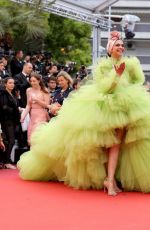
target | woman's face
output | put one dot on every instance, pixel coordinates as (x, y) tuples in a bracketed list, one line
[(34, 82), (118, 49), (62, 82), (10, 85)]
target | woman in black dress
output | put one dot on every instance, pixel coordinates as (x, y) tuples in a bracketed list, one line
[(10, 118)]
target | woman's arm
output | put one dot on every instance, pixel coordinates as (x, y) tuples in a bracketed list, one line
[(4, 103), (135, 71), (45, 101), (105, 76), (28, 107), (2, 146)]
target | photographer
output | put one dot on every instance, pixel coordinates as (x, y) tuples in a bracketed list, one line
[(82, 73)]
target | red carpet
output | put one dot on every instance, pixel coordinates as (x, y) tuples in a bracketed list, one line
[(53, 206)]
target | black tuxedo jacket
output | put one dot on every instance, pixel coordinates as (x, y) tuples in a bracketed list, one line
[(4, 74), (16, 66), (21, 84), (9, 112)]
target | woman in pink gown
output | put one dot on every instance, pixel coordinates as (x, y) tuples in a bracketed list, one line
[(37, 100)]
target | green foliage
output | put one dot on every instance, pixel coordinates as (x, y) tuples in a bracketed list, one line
[(25, 23), (29, 25), (69, 40)]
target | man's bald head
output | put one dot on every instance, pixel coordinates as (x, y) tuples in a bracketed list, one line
[(27, 68)]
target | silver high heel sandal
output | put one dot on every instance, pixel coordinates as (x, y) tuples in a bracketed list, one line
[(109, 186)]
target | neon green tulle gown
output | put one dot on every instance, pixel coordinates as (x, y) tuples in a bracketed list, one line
[(72, 146)]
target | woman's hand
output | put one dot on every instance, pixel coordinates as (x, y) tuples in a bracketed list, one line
[(54, 108), (2, 146), (120, 69), (22, 120), (20, 109), (34, 99)]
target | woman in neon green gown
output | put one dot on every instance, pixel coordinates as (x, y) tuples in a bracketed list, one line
[(101, 134)]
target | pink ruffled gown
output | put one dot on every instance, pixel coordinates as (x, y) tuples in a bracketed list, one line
[(38, 114)]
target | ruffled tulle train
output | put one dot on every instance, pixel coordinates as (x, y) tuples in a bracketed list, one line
[(72, 146)]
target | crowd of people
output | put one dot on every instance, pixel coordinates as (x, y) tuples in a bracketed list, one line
[(32, 91)]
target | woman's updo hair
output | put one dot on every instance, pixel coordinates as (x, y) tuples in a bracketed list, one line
[(113, 37)]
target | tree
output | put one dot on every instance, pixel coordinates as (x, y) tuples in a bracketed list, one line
[(69, 40), (26, 25)]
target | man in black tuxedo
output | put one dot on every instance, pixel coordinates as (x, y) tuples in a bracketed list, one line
[(22, 83), (16, 64), (4, 73)]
